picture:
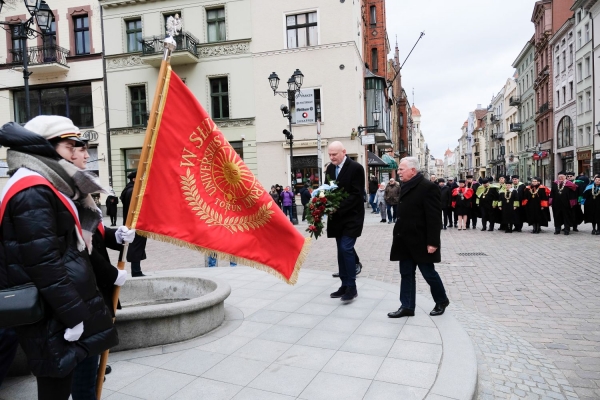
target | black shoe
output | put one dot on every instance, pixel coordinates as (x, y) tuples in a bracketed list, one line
[(336, 275), (350, 294), (490, 229), (444, 228), (383, 220), (439, 308), (390, 221), (108, 370), (339, 293), (139, 274), (575, 229), (468, 227), (566, 233), (517, 230), (450, 226), (557, 231), (474, 226), (593, 232), (483, 229), (358, 268), (373, 212), (455, 225), (402, 312)]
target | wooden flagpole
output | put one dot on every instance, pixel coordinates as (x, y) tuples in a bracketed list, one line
[(169, 46)]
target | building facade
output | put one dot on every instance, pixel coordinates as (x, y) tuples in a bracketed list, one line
[(525, 103), (565, 111), (510, 119), (585, 93), (495, 144), (225, 53), (66, 74), (595, 11)]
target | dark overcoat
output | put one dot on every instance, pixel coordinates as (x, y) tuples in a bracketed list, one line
[(418, 224), (137, 248), (349, 218)]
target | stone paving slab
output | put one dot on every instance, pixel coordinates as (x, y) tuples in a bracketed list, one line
[(314, 352)]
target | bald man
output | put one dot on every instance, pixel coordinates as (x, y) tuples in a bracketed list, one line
[(346, 223)]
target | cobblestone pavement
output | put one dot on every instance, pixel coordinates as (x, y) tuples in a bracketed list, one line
[(530, 303)]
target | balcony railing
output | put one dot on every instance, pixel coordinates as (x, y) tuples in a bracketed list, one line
[(476, 154), (495, 118), (184, 42), (40, 55), (514, 101), (516, 127), (498, 136), (544, 107)]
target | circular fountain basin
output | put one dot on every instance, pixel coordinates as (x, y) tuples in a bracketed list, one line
[(162, 310)]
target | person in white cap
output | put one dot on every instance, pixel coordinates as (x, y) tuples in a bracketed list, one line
[(47, 219)]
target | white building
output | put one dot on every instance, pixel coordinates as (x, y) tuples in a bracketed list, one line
[(595, 11), (225, 54), (495, 145), (510, 119), (584, 64), (565, 105), (66, 74)]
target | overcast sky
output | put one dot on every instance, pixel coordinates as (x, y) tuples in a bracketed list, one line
[(464, 58)]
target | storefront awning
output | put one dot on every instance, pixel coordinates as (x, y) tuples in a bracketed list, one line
[(390, 162), (374, 161)]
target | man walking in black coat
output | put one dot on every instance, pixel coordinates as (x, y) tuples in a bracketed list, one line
[(416, 240), (446, 200), (137, 249), (451, 212), (346, 223)]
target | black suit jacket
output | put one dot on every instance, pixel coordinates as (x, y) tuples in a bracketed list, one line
[(349, 218), (418, 224)]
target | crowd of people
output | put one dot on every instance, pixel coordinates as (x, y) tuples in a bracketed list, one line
[(510, 203)]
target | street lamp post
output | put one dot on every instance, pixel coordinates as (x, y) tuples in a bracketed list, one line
[(293, 90), (43, 16)]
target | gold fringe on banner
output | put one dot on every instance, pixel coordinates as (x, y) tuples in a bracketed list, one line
[(238, 260)]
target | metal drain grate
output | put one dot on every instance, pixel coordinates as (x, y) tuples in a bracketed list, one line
[(472, 254)]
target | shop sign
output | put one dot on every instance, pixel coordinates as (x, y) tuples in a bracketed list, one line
[(298, 144), (584, 155), (305, 107), (367, 139)]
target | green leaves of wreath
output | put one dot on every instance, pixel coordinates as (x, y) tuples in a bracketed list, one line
[(212, 217)]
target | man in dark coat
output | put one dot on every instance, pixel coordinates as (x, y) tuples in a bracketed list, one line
[(446, 200), (346, 223), (111, 207), (304, 199), (581, 181), (373, 187), (487, 198), (416, 240), (563, 196), (521, 216), (137, 249)]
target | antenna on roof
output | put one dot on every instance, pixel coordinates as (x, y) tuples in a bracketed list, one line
[(413, 96)]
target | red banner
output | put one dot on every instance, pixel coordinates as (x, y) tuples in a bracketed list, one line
[(199, 193)]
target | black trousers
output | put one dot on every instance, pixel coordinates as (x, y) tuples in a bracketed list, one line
[(487, 216), (446, 217), (452, 216), (54, 388), (472, 217), (8, 348)]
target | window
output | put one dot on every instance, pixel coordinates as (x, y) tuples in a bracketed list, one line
[(74, 102), (580, 131), (588, 134), (239, 148), (374, 63), (578, 16), (578, 39), (580, 104), (132, 160), (588, 100), (138, 105), (82, 35), (301, 30), (571, 90), (134, 35), (579, 72), (587, 66), (570, 54), (49, 43), (373, 14), (219, 98), (565, 132), (564, 94), (557, 98), (215, 21), (557, 65), (16, 43), (587, 33), (564, 60)]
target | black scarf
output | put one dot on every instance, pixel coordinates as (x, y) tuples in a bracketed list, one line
[(414, 181)]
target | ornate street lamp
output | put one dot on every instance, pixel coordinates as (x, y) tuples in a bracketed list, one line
[(32, 6), (44, 17), (376, 118), (294, 84)]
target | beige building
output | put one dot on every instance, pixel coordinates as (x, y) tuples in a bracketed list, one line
[(510, 118), (66, 74), (225, 54)]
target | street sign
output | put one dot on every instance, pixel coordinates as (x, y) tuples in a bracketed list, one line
[(367, 139)]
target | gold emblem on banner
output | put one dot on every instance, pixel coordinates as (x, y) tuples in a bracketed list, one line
[(226, 179)]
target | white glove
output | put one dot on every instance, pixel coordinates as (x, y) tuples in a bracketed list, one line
[(123, 234), (121, 278), (73, 334)]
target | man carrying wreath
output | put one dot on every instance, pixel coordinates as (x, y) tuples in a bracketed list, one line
[(346, 223)]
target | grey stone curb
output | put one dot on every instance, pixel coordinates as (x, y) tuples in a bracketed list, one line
[(457, 373)]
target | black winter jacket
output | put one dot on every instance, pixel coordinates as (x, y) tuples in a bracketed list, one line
[(137, 249), (106, 273), (40, 244), (446, 197)]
